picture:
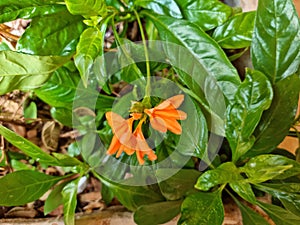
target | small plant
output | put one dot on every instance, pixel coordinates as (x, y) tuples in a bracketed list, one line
[(166, 122)]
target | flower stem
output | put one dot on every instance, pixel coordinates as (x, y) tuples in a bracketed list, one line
[(148, 86)]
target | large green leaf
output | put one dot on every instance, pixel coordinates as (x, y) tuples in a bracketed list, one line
[(179, 184), (201, 56), (279, 215), (163, 7), (249, 216), (277, 120), (64, 88), (25, 186), (157, 213), (55, 34), (202, 208), (11, 10), (225, 173), (86, 7), (28, 147), (276, 41), (287, 193), (206, 14), (133, 197), (236, 32), (252, 98), (26, 72), (69, 194), (89, 46), (244, 190), (265, 167), (54, 199)]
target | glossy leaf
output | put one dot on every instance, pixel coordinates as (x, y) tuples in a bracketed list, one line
[(206, 14), (89, 46), (287, 193), (236, 32), (11, 10), (66, 161), (277, 120), (244, 190), (276, 41), (26, 72), (177, 185), (55, 34), (202, 208), (69, 194), (64, 89), (157, 213), (25, 186), (265, 167), (166, 7), (133, 197), (279, 215), (252, 98), (62, 115), (225, 173), (201, 55), (249, 216), (54, 199), (87, 7), (28, 147)]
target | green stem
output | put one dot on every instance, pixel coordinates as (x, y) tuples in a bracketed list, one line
[(148, 85)]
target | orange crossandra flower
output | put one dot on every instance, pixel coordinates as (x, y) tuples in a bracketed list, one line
[(126, 141), (164, 116)]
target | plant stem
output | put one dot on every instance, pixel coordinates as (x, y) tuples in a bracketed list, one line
[(148, 85)]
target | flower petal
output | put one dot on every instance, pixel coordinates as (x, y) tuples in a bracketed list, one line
[(174, 101), (158, 124), (173, 126), (174, 114), (114, 146)]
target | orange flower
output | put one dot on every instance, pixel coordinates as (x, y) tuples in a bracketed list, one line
[(125, 140), (164, 116)]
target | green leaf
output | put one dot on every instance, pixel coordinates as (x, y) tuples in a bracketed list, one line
[(28, 147), (65, 160), (236, 32), (26, 72), (18, 165), (277, 120), (279, 215), (64, 90), (287, 193), (25, 186), (202, 208), (89, 46), (265, 167), (86, 8), (225, 173), (11, 10), (177, 185), (62, 115), (55, 34), (157, 213), (4, 46), (206, 14), (201, 56), (249, 216), (276, 41), (30, 111), (244, 190), (133, 197), (166, 7), (69, 194), (252, 98), (54, 199)]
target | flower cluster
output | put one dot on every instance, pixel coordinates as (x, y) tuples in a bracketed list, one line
[(163, 117)]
